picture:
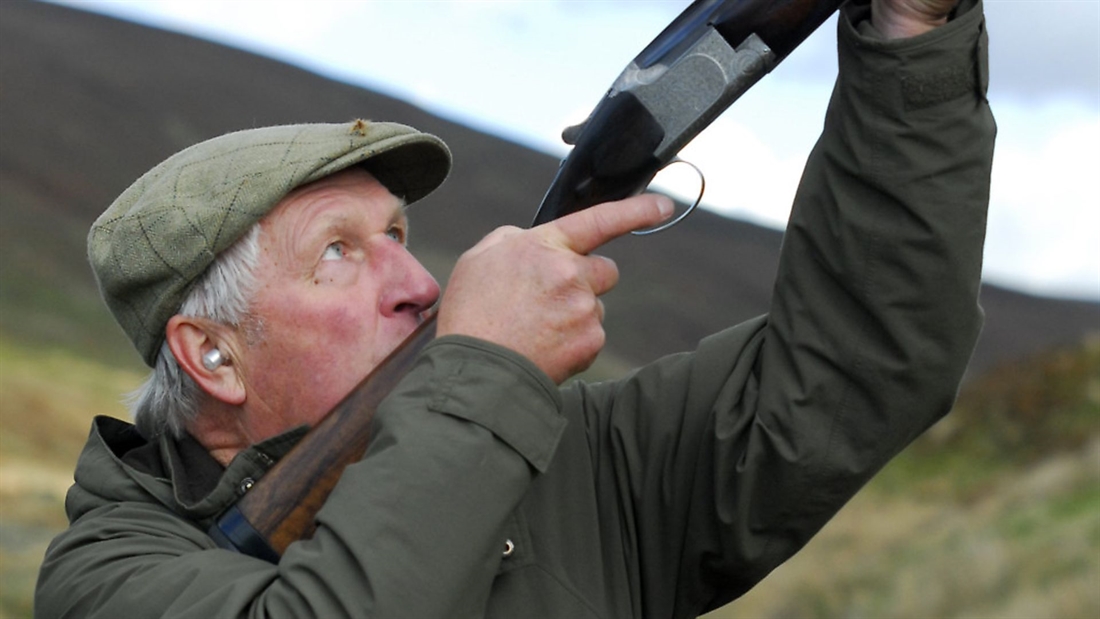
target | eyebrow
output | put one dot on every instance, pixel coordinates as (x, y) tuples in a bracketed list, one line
[(400, 215), (329, 222)]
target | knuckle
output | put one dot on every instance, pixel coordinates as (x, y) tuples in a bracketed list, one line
[(599, 339), (500, 234), (585, 306), (603, 224), (595, 344), (564, 273), (603, 274)]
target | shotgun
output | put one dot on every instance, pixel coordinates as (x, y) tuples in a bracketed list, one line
[(705, 59)]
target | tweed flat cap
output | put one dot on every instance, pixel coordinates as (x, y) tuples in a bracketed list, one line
[(153, 242)]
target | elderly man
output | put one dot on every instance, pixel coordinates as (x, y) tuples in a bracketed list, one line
[(263, 273)]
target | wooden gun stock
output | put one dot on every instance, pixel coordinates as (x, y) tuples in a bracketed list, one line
[(280, 509)]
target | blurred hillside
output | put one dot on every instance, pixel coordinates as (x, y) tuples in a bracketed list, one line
[(995, 512), (89, 103)]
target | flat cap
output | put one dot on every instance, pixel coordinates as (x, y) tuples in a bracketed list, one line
[(153, 242)]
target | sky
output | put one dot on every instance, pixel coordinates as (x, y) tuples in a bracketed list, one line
[(525, 69)]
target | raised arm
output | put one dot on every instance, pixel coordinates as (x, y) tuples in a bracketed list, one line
[(875, 309), (743, 450)]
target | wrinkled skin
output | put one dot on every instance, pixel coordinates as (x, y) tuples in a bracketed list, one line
[(905, 18), (537, 291)]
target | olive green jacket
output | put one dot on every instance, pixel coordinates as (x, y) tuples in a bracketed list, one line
[(489, 491)]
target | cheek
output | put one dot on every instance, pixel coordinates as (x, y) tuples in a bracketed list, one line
[(340, 326), (304, 385), (336, 335), (313, 353), (336, 273)]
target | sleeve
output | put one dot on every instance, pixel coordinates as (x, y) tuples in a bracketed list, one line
[(420, 521), (733, 457), (415, 529)]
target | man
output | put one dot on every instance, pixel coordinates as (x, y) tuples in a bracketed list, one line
[(488, 490)]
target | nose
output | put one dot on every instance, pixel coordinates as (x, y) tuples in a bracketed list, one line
[(412, 289)]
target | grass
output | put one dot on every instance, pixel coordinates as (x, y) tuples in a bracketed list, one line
[(993, 513), (47, 400), (958, 526), (1028, 547)]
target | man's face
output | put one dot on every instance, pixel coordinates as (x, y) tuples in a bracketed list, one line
[(337, 292)]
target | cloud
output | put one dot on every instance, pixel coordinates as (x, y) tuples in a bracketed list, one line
[(1044, 230), (289, 22), (1045, 49), (1039, 50)]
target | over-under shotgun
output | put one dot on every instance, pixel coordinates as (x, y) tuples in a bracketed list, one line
[(696, 67)]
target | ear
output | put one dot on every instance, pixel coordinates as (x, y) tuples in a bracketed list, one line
[(190, 338)]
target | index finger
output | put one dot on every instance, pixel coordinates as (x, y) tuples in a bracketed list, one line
[(586, 230)]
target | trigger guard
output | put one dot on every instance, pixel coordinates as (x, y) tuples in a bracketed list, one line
[(688, 211)]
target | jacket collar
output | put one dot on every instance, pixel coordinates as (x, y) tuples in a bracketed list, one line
[(177, 473)]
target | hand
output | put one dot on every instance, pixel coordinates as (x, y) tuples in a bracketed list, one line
[(537, 291), (897, 19)]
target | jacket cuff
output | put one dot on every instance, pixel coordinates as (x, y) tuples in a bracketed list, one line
[(947, 63), (497, 389)]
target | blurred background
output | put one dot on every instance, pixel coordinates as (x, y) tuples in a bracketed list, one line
[(995, 512)]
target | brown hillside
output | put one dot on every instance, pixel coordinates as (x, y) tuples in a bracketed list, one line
[(88, 103)]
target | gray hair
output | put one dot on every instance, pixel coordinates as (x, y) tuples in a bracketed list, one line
[(169, 398)]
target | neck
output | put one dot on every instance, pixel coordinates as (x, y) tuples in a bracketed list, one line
[(222, 430)]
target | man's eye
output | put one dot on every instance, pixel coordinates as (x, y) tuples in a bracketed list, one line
[(335, 251), (396, 233)]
